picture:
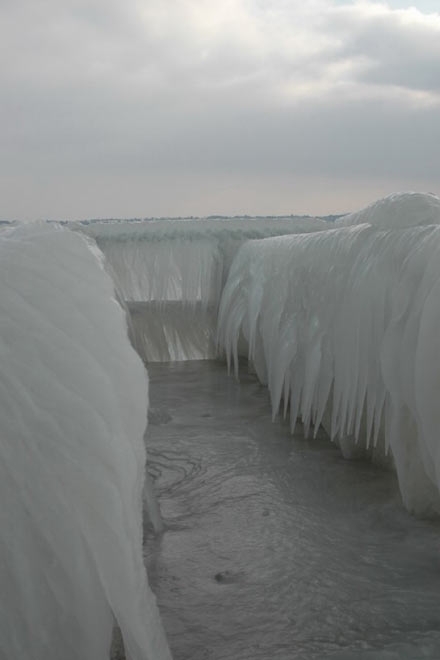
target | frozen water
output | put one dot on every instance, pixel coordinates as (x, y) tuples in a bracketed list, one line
[(165, 270), (73, 413), (343, 326), (173, 271), (172, 332), (182, 259), (409, 209), (276, 548)]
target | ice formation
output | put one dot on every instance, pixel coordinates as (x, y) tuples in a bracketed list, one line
[(343, 326), (73, 414), (182, 259), (172, 331), (397, 211), (178, 268)]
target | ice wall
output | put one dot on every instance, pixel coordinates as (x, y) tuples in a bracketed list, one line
[(172, 331), (73, 400), (343, 324), (177, 269), (182, 259)]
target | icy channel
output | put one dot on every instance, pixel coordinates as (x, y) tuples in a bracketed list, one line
[(276, 547)]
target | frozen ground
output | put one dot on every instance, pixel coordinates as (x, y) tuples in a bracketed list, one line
[(276, 547)]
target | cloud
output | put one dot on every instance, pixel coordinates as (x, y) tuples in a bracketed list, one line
[(196, 86), (399, 48), (202, 45)]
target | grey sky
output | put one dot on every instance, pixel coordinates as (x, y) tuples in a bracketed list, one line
[(174, 107)]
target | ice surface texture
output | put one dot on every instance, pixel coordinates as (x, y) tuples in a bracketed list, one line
[(397, 211), (72, 413), (343, 325), (184, 260), (177, 270)]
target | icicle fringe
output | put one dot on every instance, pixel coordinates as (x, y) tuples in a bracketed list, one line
[(347, 322)]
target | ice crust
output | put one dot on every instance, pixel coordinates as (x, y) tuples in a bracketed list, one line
[(73, 413), (343, 325)]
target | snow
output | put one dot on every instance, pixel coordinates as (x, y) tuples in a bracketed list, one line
[(343, 326), (73, 413)]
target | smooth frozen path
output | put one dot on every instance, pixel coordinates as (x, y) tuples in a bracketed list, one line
[(276, 547)]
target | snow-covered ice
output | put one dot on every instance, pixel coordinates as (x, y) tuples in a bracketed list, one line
[(72, 413), (343, 326)]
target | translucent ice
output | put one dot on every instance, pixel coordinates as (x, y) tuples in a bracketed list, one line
[(408, 209), (73, 400), (173, 272), (182, 259), (343, 326)]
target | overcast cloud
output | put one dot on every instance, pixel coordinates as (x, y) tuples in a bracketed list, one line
[(175, 107)]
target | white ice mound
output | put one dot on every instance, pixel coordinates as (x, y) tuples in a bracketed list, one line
[(73, 399), (398, 210), (343, 325)]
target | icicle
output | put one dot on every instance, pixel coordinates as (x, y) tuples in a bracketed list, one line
[(365, 284)]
